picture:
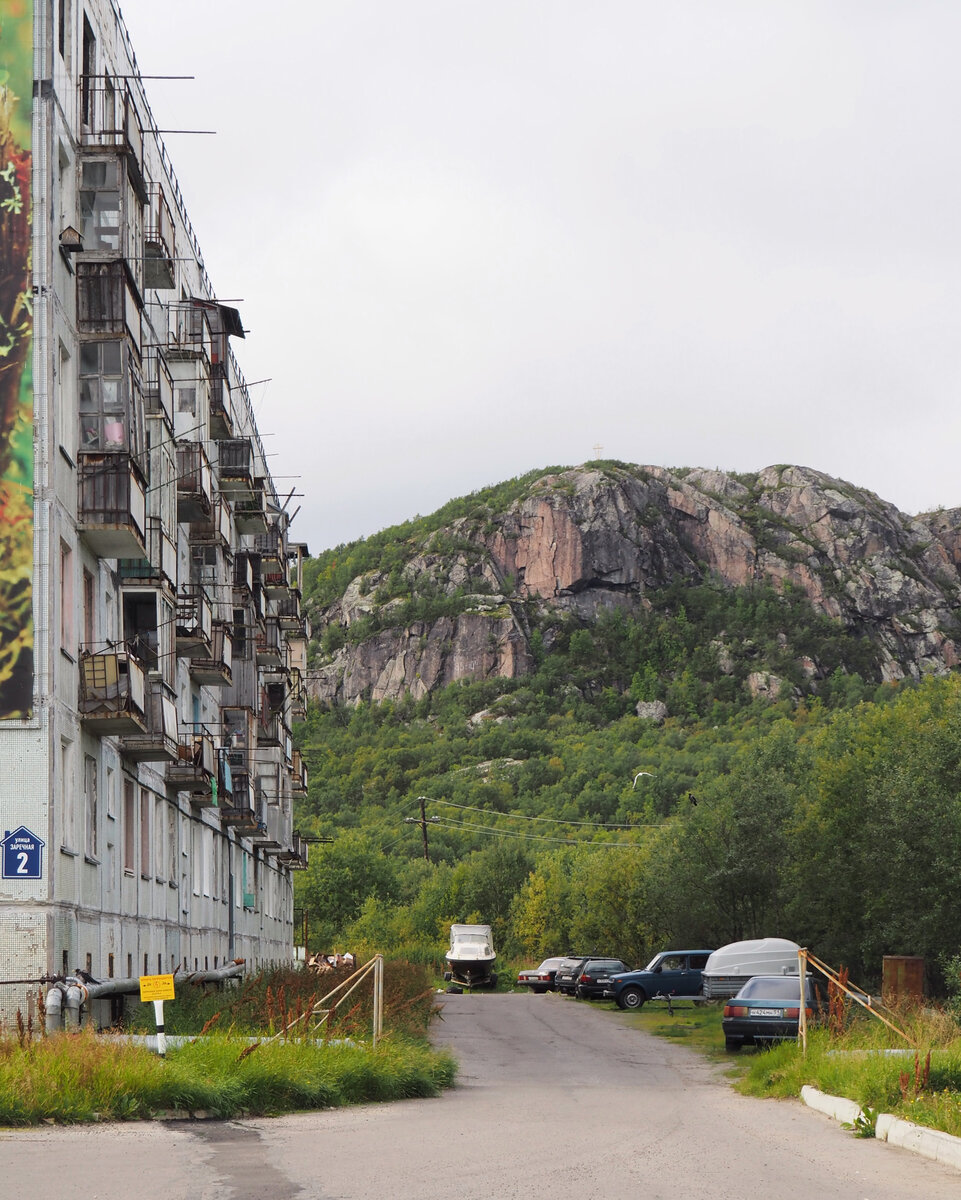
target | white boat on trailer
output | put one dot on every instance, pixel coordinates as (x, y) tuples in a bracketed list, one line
[(471, 957)]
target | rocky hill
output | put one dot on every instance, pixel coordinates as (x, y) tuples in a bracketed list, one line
[(483, 593)]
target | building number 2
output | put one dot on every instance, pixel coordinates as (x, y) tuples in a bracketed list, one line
[(22, 856)]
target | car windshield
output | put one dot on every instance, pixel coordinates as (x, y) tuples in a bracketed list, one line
[(772, 987), (655, 961), (549, 964)]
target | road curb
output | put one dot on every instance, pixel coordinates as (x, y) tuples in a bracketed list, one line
[(930, 1143)]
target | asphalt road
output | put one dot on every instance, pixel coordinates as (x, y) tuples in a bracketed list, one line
[(555, 1098)]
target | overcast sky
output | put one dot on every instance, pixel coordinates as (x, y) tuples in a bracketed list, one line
[(475, 238)]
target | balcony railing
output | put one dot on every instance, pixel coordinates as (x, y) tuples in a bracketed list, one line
[(158, 742), (110, 119), (160, 564), (298, 774), (194, 483), (194, 624), (214, 668), (214, 528), (296, 855), (113, 505), (250, 513), (159, 245), (236, 467), (112, 693), (221, 409), (270, 646), (195, 769), (287, 610)]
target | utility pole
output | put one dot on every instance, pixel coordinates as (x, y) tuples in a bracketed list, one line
[(422, 823)]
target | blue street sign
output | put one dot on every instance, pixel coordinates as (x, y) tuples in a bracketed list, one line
[(22, 854)]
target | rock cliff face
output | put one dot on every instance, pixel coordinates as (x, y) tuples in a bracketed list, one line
[(595, 538)]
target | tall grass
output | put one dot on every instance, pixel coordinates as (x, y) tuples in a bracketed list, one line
[(88, 1076), (920, 1081)]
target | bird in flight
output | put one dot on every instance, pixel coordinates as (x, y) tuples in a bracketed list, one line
[(638, 775)]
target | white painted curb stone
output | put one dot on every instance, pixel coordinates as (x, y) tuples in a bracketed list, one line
[(834, 1106), (932, 1143)]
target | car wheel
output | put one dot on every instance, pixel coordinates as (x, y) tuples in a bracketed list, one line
[(732, 1045), (631, 998)]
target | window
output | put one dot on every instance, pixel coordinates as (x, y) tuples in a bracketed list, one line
[(101, 297), (90, 806), (66, 796), (159, 840), (100, 204), (67, 632), (107, 409), (89, 67), (144, 833), (129, 827), (172, 841), (89, 610)]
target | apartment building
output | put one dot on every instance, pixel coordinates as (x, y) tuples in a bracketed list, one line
[(152, 644)]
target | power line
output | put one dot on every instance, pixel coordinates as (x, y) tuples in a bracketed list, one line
[(552, 820), (530, 837)]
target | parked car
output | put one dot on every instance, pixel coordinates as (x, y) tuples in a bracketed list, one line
[(540, 979), (593, 981), (731, 966), (565, 979), (670, 973), (767, 1009)]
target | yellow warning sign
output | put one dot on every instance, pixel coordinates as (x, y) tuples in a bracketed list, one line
[(156, 987)]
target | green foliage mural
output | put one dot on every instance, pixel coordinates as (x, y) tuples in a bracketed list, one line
[(16, 384)]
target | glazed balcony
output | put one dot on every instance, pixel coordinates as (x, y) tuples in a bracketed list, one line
[(188, 334), (112, 512), (213, 668), (194, 483), (113, 699), (158, 742), (110, 121)]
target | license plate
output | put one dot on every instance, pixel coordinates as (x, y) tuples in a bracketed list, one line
[(768, 1012)]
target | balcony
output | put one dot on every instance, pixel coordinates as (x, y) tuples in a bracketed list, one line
[(298, 695), (158, 742), (270, 834), (112, 505), (295, 857), (111, 121), (238, 811), (214, 667), (287, 611), (158, 387), (160, 250), (270, 647), (194, 623), (221, 409), (270, 547), (194, 483), (195, 770), (112, 693), (251, 513), (160, 565), (298, 773), (188, 334), (236, 468), (213, 529)]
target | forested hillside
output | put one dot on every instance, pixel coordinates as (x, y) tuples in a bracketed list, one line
[(790, 784)]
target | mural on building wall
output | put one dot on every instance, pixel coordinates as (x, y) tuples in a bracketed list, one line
[(16, 382)]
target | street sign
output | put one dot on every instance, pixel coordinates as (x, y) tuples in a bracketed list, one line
[(156, 987), (22, 854)]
